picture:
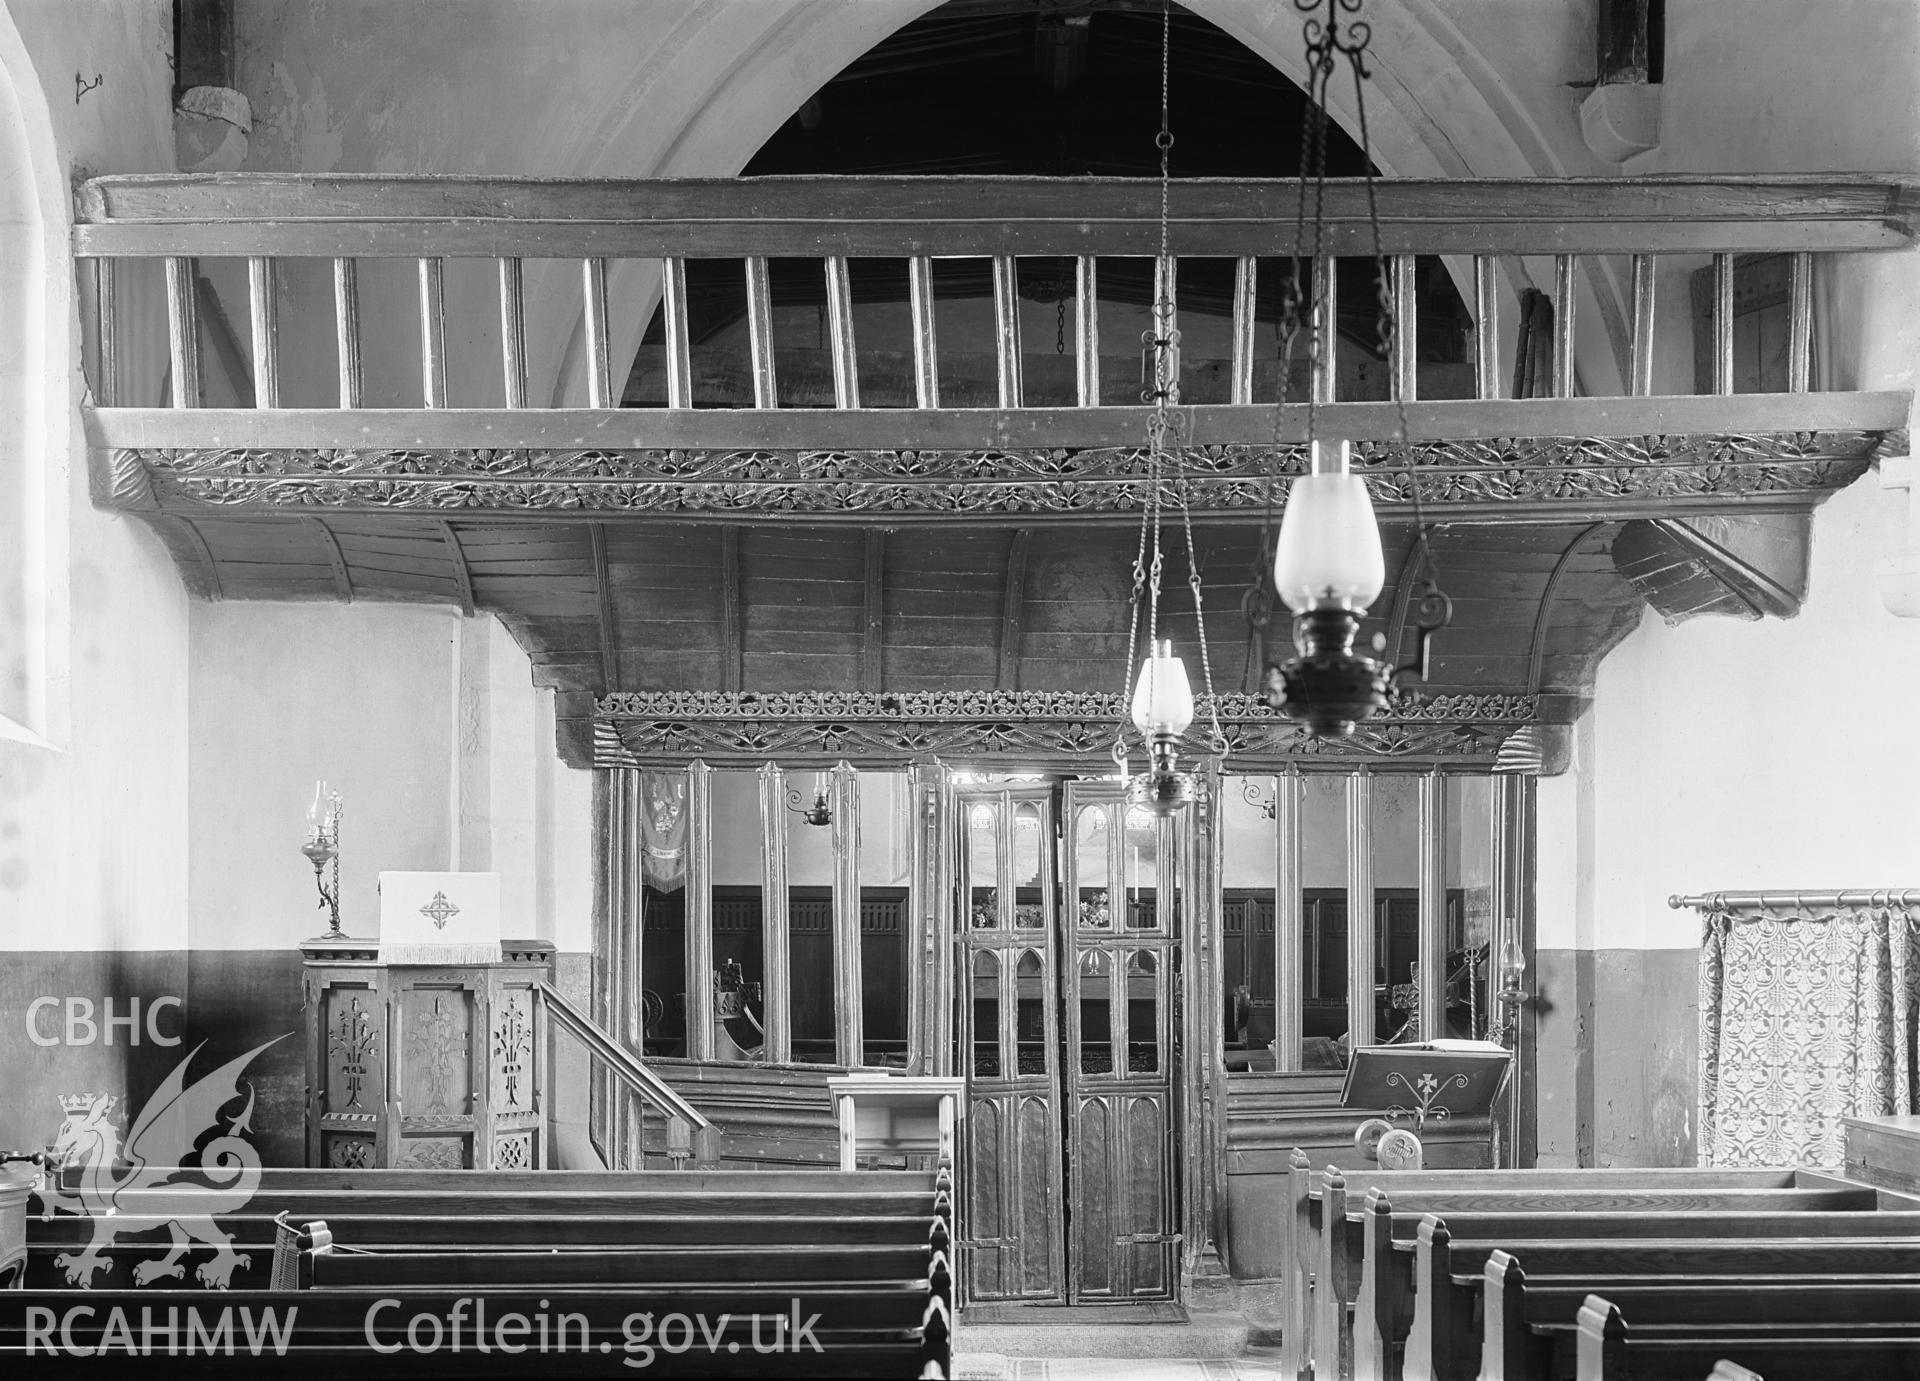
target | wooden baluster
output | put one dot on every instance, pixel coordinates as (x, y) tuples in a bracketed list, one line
[(1086, 331), (1006, 329), (1563, 281), (776, 948), (766, 392), (846, 369), (183, 332), (1640, 355), (673, 308), (1323, 327), (1486, 328), (1166, 321), (513, 333), (593, 286), (264, 317), (1406, 376), (926, 355), (1723, 324), (1800, 324), (433, 332), (1240, 385), (106, 337), (346, 329)]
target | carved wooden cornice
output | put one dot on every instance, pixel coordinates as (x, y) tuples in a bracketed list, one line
[(1045, 728), (1598, 474)]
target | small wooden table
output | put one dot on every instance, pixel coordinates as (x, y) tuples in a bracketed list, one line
[(895, 1114)]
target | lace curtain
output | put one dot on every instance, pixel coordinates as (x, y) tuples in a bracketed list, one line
[(1806, 1016)]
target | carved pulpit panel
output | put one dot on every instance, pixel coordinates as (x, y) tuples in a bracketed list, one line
[(425, 1067)]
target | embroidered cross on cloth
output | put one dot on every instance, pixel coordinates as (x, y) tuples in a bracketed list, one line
[(440, 918)]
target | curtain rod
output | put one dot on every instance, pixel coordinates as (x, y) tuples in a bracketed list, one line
[(1781, 901)]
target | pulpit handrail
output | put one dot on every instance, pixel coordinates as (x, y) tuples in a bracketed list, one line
[(626, 1066), (1794, 901)]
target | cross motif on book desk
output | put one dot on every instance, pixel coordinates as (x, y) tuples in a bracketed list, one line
[(439, 910)]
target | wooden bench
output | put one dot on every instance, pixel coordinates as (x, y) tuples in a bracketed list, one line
[(1307, 1190), (1329, 1225), (1524, 1322), (1443, 1343), (1609, 1350), (861, 1259), (1383, 1303)]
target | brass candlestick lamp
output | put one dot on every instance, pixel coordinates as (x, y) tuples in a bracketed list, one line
[(323, 848)]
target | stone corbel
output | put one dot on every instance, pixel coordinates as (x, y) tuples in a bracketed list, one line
[(1899, 575), (1620, 120)]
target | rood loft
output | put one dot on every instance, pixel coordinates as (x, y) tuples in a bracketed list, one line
[(827, 479)]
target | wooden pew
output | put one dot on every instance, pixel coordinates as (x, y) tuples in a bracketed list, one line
[(1608, 1350), (1524, 1321), (1443, 1342), (1309, 1213), (866, 1253), (1340, 1265), (1383, 1303)]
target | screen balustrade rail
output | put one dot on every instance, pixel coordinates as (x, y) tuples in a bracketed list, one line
[(539, 304)]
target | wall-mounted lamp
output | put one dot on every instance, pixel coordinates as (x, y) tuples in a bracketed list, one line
[(323, 847), (1253, 796), (821, 811)]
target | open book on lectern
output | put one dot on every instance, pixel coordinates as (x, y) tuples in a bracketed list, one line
[(1436, 1079)]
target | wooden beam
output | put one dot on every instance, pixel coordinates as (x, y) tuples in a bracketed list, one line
[(873, 651), (462, 573), (603, 593), (342, 579), (404, 429), (732, 610), (370, 216), (1012, 608)]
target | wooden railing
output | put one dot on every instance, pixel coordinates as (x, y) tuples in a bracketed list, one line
[(268, 219)]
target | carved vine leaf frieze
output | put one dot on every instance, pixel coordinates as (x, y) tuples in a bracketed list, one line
[(1037, 480), (635, 727)]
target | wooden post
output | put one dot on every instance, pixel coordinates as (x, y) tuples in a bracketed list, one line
[(183, 332), (1640, 363), (846, 368), (848, 1037), (673, 309), (1433, 906), (699, 911), (776, 939), (1723, 324), (1006, 330), (433, 332), (1324, 328), (106, 336), (1486, 327), (1800, 324), (264, 316), (513, 334), (926, 353), (1086, 331), (593, 288), (766, 391), (1289, 973), (1361, 922), (1563, 307), (1406, 382), (346, 329), (1245, 299)]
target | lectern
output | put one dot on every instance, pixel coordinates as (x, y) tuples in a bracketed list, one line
[(1440, 1079), (419, 1066)]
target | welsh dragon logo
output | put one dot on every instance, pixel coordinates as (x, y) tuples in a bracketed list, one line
[(142, 1184)]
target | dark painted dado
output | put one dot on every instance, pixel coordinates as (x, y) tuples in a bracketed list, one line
[(230, 1002), (34, 1076)]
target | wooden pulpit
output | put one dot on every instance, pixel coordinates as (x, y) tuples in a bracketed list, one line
[(425, 1066)]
